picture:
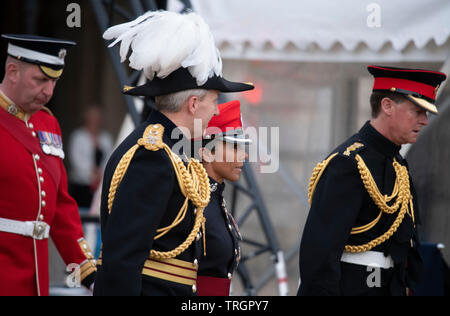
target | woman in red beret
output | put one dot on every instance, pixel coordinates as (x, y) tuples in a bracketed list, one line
[(223, 155)]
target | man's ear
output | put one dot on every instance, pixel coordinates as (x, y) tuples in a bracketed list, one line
[(192, 104), (387, 106), (12, 70), (206, 155)]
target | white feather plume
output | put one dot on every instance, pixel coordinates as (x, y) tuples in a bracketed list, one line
[(163, 41)]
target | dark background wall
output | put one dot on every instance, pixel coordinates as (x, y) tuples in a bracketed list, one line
[(88, 76)]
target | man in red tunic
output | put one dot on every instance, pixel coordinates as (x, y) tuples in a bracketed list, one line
[(34, 202)]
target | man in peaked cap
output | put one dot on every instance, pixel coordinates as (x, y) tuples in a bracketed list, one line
[(360, 237), (152, 201), (34, 202)]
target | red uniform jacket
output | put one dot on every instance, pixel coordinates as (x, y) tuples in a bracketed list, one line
[(33, 186)]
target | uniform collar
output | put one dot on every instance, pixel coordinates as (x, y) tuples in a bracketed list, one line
[(378, 141), (10, 107), (216, 187)]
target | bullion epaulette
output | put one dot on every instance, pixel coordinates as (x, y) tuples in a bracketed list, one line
[(353, 149), (153, 137)]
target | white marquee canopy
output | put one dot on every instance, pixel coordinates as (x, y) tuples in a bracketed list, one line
[(329, 31)]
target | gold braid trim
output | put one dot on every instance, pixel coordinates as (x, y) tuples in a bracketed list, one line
[(315, 177), (193, 181), (401, 192), (403, 203)]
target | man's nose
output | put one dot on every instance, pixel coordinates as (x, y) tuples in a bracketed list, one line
[(424, 119), (49, 87)]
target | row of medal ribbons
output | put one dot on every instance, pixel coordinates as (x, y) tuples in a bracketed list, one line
[(51, 144)]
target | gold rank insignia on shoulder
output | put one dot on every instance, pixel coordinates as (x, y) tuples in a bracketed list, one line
[(152, 139), (353, 147)]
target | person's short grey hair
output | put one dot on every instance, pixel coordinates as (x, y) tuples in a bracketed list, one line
[(174, 101)]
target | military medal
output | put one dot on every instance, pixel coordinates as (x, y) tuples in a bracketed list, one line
[(59, 146), (51, 144), (53, 148), (46, 149), (45, 142)]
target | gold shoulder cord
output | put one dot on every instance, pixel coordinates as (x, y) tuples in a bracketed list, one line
[(193, 181), (401, 192)]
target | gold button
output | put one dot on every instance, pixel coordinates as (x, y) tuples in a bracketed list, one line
[(43, 194), (39, 170), (30, 125), (37, 157), (194, 289), (230, 276), (41, 217), (195, 263), (33, 133), (44, 204)]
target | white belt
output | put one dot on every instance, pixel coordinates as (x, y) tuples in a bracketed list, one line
[(368, 258), (35, 230)]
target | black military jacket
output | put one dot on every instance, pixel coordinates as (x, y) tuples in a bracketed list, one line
[(341, 202), (222, 237), (148, 198)]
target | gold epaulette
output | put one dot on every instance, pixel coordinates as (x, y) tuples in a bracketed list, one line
[(153, 137), (353, 147)]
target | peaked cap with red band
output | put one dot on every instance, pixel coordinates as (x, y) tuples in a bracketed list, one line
[(227, 126), (418, 85)]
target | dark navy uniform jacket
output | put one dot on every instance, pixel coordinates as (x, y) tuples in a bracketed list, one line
[(222, 237), (148, 198), (341, 202)]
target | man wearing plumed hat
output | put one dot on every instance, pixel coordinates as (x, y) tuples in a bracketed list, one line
[(153, 195), (34, 202), (360, 236)]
